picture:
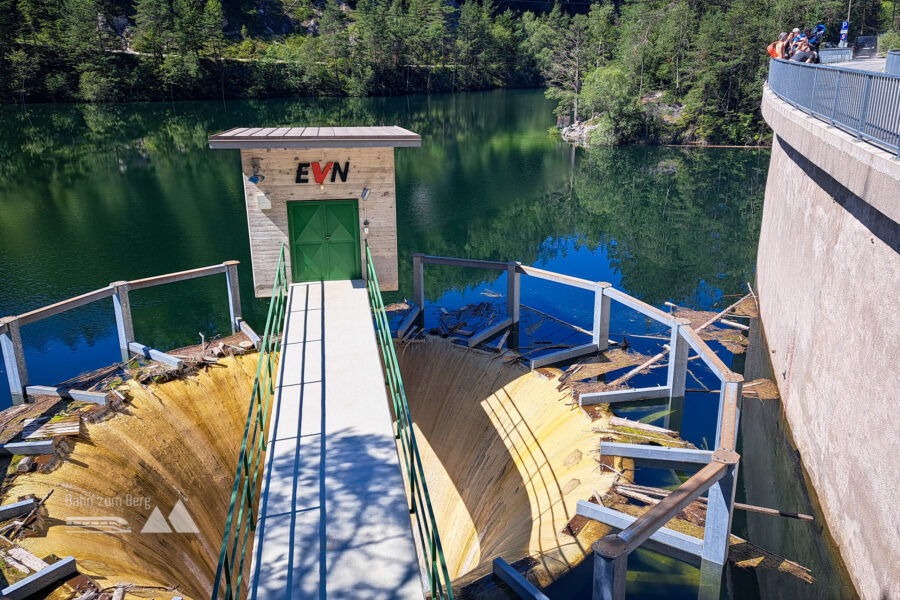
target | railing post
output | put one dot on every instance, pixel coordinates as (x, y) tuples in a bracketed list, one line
[(513, 302), (812, 93), (419, 284), (610, 568), (14, 359), (710, 580), (729, 416), (865, 107), (837, 93), (600, 329), (719, 508), (234, 292), (124, 325), (678, 355)]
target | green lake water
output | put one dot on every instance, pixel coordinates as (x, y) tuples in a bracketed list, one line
[(92, 194)]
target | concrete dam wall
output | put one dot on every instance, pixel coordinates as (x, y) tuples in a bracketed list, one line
[(828, 274)]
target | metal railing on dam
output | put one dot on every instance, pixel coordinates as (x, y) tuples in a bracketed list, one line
[(430, 549), (866, 104), (892, 63), (715, 471), (835, 55), (240, 526)]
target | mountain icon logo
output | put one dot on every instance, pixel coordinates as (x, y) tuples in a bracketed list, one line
[(180, 519)]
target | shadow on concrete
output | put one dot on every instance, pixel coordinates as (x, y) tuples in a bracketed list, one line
[(494, 460), (881, 226), (333, 518)]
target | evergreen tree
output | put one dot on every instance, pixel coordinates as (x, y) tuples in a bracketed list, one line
[(86, 40), (570, 60), (153, 27)]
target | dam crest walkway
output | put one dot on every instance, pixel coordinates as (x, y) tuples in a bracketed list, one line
[(333, 516)]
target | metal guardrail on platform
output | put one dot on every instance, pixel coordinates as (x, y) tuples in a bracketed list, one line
[(864, 103), (835, 55), (892, 63), (429, 541), (240, 526)]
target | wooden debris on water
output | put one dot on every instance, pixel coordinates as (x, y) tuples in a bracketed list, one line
[(731, 338), (746, 308), (652, 495), (636, 432), (608, 361), (65, 426), (761, 389), (397, 306)]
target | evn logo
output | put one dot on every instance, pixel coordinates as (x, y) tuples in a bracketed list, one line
[(319, 173)]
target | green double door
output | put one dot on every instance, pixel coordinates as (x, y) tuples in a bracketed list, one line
[(324, 239)]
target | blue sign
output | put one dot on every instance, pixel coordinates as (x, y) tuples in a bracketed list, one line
[(843, 37), (845, 26)]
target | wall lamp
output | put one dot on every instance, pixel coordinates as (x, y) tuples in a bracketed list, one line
[(364, 196), (256, 177)]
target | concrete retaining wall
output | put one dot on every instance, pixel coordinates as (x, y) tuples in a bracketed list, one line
[(829, 287)]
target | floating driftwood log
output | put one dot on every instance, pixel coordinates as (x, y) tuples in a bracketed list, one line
[(648, 494)]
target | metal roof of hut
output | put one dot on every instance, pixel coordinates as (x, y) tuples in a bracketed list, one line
[(315, 137)]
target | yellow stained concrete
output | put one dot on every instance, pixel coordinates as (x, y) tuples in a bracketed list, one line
[(181, 442), (507, 459)]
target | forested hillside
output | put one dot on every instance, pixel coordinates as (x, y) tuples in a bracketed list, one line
[(692, 69)]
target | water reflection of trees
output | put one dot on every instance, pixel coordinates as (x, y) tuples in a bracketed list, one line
[(132, 190), (674, 222)]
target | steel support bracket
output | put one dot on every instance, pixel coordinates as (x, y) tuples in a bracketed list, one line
[(726, 457)]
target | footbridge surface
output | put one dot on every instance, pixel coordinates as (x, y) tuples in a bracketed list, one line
[(333, 515)]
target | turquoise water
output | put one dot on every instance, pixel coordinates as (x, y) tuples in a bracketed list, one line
[(94, 194)]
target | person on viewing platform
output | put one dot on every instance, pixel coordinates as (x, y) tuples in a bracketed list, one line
[(775, 49), (792, 38), (796, 43), (803, 53), (815, 38)]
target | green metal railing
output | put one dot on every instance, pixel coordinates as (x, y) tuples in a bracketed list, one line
[(419, 501), (241, 522)]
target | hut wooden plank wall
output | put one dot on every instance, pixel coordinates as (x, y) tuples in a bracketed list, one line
[(291, 164)]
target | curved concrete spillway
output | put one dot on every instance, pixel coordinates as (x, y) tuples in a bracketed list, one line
[(177, 441), (507, 458)]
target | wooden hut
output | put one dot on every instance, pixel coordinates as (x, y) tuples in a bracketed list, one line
[(324, 192)]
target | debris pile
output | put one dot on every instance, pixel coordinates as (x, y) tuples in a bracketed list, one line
[(50, 447), (635, 500)]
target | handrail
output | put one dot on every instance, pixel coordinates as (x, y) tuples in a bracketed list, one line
[(866, 104), (419, 500), (44, 312), (13, 352), (240, 528), (137, 284), (463, 262), (60, 307), (640, 531)]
